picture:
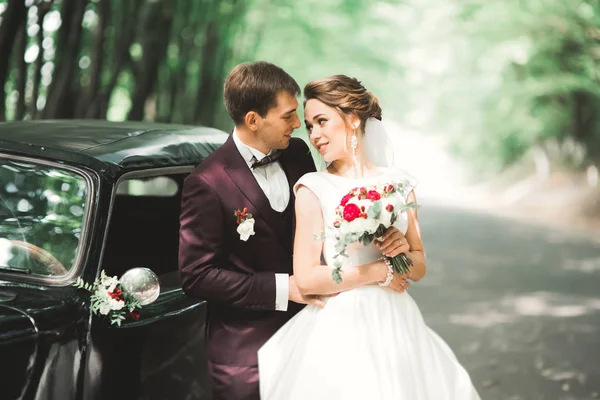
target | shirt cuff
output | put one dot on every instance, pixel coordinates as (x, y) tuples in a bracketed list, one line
[(282, 291)]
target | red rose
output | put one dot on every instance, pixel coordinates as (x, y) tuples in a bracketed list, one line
[(373, 195), (135, 315), (336, 224), (346, 199), (389, 207), (116, 294), (351, 212)]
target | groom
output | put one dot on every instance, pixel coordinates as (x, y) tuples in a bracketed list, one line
[(237, 226)]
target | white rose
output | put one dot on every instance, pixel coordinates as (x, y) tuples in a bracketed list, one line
[(116, 304), (371, 225), (385, 218), (104, 308), (246, 229), (357, 226)]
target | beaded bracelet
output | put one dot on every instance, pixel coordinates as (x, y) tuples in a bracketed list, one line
[(390, 272)]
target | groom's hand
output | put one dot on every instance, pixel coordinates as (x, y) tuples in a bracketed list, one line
[(297, 297)]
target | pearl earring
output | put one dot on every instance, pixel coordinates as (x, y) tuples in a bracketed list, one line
[(354, 142)]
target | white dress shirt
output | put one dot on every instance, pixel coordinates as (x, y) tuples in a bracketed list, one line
[(273, 182)]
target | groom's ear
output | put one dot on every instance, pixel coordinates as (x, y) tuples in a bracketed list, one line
[(252, 120)]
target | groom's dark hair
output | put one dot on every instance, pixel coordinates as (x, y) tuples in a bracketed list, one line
[(254, 87)]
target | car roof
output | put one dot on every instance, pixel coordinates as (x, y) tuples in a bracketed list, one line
[(127, 145)]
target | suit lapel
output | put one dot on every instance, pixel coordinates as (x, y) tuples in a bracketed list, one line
[(240, 174)]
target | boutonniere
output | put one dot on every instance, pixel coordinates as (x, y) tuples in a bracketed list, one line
[(245, 223)]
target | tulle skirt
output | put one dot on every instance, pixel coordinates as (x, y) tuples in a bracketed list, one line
[(367, 343)]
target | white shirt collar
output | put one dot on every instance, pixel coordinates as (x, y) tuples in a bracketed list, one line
[(248, 153)]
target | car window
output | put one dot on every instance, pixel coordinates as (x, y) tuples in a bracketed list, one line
[(144, 225), (42, 212), (158, 186)]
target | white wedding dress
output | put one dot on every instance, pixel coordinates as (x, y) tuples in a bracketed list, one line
[(368, 343)]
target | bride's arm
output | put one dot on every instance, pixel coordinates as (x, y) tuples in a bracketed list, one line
[(413, 237), (313, 278)]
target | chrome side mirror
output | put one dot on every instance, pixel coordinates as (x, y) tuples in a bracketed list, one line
[(142, 284)]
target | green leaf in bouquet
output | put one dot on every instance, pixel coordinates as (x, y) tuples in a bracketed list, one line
[(340, 246), (375, 210), (380, 230), (320, 238), (116, 317), (414, 205), (336, 274), (367, 238), (81, 284), (352, 238), (393, 218)]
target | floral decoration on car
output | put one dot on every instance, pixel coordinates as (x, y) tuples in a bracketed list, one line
[(110, 299)]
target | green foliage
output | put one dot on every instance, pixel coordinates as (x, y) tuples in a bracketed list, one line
[(521, 73), (81, 284), (374, 210), (43, 206), (495, 78)]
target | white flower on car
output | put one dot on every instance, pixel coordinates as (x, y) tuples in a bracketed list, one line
[(110, 299)]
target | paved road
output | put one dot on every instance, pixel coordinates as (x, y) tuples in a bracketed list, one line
[(519, 304)]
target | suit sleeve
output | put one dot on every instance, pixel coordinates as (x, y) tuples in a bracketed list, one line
[(202, 262)]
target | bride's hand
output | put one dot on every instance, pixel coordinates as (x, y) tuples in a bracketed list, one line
[(393, 243), (399, 283)]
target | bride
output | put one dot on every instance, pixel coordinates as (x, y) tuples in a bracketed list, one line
[(369, 341)]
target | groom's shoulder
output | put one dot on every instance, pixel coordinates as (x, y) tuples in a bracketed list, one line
[(215, 161), (298, 145), (299, 151)]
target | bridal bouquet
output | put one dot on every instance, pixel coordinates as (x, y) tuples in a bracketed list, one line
[(364, 214), (110, 299)]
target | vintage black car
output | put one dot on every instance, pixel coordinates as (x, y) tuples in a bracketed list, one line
[(78, 197)]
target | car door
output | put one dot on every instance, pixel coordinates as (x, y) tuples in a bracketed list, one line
[(161, 355)]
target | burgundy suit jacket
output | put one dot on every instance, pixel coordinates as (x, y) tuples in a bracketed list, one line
[(237, 277)]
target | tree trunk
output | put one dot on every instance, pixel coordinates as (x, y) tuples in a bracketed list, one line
[(60, 103), (127, 25), (203, 12), (205, 95), (21, 71), (43, 9), (157, 25), (177, 82), (13, 17), (215, 53), (97, 58)]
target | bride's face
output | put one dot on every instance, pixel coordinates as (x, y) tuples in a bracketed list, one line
[(327, 130)]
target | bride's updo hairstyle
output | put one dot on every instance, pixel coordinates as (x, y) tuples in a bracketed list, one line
[(346, 95)]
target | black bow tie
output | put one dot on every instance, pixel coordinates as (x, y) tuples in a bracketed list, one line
[(266, 160)]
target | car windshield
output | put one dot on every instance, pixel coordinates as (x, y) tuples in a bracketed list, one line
[(42, 213)]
